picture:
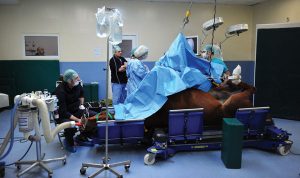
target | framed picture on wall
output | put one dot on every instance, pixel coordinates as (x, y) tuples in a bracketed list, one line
[(193, 42), (41, 46)]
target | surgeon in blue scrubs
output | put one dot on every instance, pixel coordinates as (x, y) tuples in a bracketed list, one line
[(136, 70), (213, 53)]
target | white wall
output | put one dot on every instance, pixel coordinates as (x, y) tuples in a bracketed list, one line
[(274, 11), (155, 23)]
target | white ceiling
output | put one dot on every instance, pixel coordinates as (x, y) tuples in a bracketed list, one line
[(9, 1), (240, 2)]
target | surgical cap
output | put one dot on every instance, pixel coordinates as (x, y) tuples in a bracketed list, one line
[(132, 51), (116, 49), (69, 75), (215, 49), (140, 51)]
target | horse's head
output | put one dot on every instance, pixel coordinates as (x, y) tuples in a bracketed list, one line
[(241, 99), (242, 86)]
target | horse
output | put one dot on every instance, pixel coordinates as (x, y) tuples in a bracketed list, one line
[(220, 102)]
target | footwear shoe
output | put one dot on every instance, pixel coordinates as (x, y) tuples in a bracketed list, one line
[(81, 138), (83, 141), (69, 148)]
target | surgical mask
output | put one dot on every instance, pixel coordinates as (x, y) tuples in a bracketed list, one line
[(76, 83), (204, 55)]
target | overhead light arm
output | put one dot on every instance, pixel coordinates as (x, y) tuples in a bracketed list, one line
[(234, 30), (209, 26)]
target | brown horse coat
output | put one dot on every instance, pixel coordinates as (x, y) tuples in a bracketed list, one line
[(214, 110)]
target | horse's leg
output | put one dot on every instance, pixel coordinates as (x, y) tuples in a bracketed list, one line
[(213, 113), (160, 118), (235, 101)]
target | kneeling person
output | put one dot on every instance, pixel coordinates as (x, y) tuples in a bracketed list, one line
[(70, 96)]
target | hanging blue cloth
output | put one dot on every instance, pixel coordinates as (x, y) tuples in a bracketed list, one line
[(176, 71)]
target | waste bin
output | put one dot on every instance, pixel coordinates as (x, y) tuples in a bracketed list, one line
[(91, 91), (231, 152), (94, 91)]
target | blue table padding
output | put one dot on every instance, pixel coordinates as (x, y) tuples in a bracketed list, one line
[(185, 125), (121, 132), (253, 120)]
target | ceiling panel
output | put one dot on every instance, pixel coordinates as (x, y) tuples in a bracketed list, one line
[(239, 2), (9, 1)]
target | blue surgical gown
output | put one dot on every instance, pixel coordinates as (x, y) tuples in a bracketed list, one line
[(220, 61), (136, 71)]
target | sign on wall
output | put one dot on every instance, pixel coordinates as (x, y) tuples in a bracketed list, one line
[(45, 46)]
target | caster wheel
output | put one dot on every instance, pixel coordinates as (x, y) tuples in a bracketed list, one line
[(18, 167), (104, 161), (64, 162), (149, 158), (127, 168), (121, 176), (83, 170), (50, 175), (283, 150)]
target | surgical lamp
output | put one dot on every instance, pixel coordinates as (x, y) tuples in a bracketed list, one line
[(237, 29), (213, 23), (210, 25), (234, 30)]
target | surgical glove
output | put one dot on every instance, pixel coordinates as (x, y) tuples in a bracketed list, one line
[(81, 107), (237, 70), (83, 122)]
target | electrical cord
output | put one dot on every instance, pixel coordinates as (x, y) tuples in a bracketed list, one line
[(297, 154), (16, 138), (22, 156), (292, 152), (21, 140), (212, 36)]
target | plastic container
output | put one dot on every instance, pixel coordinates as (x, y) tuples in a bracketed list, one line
[(25, 119)]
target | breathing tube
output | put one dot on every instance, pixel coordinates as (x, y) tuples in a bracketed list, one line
[(12, 128)]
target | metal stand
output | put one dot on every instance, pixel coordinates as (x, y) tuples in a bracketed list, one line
[(39, 161), (105, 165)]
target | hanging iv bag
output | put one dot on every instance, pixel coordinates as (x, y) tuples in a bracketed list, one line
[(116, 28), (103, 23)]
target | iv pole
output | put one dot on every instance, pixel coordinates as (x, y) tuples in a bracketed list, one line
[(106, 165)]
